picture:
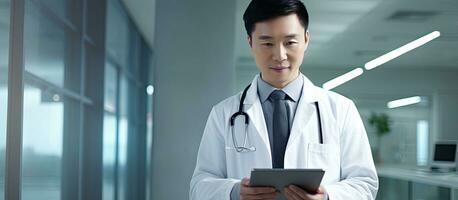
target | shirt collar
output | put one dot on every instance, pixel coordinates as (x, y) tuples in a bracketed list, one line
[(293, 89)]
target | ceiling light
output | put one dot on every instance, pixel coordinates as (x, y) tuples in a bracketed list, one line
[(342, 79), (401, 50), (404, 102)]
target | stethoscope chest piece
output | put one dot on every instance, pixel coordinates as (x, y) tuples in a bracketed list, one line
[(241, 148)]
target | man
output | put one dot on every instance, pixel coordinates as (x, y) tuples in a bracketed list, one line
[(291, 123)]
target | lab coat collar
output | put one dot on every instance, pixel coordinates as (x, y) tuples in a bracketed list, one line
[(310, 92)]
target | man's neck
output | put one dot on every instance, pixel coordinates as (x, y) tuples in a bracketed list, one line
[(279, 85)]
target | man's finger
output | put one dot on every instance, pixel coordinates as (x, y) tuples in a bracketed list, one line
[(321, 190), (299, 192), (245, 181), (289, 194), (257, 190), (260, 196), (304, 194)]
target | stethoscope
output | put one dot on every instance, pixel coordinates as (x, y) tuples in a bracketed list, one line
[(244, 148)]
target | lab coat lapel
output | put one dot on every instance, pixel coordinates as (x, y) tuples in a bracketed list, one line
[(305, 110), (253, 108)]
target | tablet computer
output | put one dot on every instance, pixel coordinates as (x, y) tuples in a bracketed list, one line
[(307, 179)]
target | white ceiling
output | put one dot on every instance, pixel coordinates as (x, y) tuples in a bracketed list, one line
[(347, 34)]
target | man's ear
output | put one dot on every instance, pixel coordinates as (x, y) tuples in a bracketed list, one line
[(307, 36), (250, 42)]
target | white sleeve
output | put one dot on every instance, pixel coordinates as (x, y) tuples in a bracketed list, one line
[(209, 179), (358, 175)]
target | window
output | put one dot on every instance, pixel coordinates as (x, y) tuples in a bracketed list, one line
[(44, 47), (110, 130), (127, 137), (117, 40), (52, 104), (59, 7), (42, 144), (4, 53), (73, 102), (149, 147), (422, 142), (122, 139), (408, 141)]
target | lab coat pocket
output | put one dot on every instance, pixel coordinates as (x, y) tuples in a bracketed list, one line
[(239, 164), (324, 156), (318, 156)]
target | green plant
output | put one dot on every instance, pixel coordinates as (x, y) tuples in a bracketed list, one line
[(381, 122)]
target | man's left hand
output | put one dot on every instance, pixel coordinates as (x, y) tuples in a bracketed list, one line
[(293, 192)]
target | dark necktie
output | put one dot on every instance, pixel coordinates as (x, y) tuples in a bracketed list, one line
[(280, 128)]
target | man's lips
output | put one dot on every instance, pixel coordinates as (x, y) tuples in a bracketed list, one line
[(279, 68)]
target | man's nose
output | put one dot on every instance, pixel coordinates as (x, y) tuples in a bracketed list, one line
[(279, 53)]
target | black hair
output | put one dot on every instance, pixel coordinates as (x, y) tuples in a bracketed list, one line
[(262, 10)]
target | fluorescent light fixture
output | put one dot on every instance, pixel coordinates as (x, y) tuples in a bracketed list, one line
[(401, 50), (404, 102), (342, 79)]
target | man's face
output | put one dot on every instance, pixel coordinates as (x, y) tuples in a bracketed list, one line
[(278, 46)]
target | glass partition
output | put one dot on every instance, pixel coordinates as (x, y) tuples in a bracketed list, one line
[(4, 54)]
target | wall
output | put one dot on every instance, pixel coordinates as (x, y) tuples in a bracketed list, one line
[(194, 69), (446, 105)]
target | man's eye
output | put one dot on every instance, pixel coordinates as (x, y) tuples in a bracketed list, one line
[(291, 43), (267, 44)]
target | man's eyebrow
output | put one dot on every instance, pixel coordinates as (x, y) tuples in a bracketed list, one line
[(290, 36), (264, 37)]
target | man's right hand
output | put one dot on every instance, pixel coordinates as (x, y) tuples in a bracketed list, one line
[(247, 192)]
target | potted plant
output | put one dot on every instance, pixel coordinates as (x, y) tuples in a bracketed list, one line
[(382, 124)]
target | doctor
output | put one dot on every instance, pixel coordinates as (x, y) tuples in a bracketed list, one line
[(283, 121)]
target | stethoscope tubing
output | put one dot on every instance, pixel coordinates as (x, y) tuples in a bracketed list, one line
[(240, 112)]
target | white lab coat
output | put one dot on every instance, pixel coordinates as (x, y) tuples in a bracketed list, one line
[(345, 155)]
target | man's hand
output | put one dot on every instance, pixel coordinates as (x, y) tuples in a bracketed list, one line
[(247, 192), (293, 192)]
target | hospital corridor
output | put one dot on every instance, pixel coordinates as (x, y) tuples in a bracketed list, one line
[(182, 99)]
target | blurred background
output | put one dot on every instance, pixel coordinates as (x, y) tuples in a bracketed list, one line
[(108, 99)]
